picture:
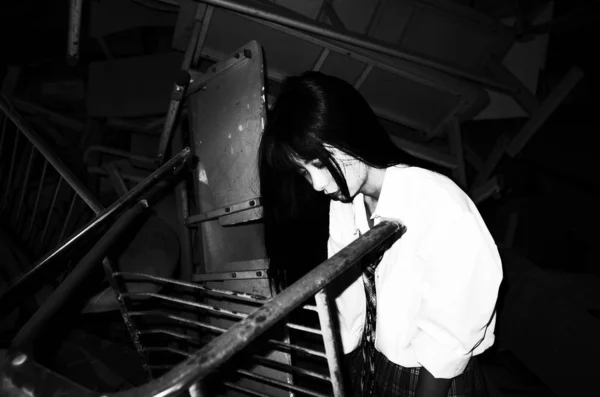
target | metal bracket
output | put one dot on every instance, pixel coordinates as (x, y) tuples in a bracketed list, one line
[(231, 209), (199, 81), (243, 275)]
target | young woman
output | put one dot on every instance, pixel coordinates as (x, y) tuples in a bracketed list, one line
[(435, 288)]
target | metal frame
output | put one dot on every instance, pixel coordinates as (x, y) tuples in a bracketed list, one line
[(18, 368), (370, 51), (512, 147), (35, 275), (361, 50), (306, 25), (211, 356)]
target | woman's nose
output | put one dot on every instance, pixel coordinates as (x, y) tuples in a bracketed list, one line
[(319, 183)]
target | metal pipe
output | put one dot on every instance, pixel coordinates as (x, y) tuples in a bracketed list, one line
[(115, 178), (50, 209), (37, 197), (174, 317), (188, 56), (41, 146), (219, 330), (215, 310), (268, 362), (283, 385), (74, 31), (241, 334), (164, 331), (332, 348), (74, 280), (206, 18), (25, 182), (228, 293), (244, 390), (181, 83), (3, 133), (307, 25), (118, 289), (68, 218), (304, 328), (254, 376), (211, 309), (183, 212), (35, 275), (10, 171)]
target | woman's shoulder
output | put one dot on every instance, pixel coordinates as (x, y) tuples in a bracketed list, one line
[(429, 188)]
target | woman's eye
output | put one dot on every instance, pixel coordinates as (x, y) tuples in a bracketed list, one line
[(318, 165)]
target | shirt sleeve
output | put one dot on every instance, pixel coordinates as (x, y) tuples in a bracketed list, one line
[(337, 225), (460, 286)]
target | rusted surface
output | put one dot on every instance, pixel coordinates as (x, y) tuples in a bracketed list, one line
[(331, 341), (74, 31), (183, 79), (118, 287), (211, 356), (196, 287)]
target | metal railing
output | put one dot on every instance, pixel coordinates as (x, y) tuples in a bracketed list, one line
[(23, 373), (41, 200)]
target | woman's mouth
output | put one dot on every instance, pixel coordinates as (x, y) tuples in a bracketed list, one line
[(334, 195)]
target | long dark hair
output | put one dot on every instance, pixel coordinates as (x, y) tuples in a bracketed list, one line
[(314, 110)]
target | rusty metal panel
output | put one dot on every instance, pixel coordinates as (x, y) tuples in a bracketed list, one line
[(227, 119)]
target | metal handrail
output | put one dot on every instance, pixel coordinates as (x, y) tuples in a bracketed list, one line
[(210, 357), (240, 335), (35, 274)]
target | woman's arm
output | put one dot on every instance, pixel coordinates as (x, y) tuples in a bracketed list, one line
[(428, 386), (462, 274)]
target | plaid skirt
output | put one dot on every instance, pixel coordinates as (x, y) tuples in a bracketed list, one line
[(392, 380)]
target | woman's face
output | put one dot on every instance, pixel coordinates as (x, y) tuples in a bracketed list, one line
[(317, 174)]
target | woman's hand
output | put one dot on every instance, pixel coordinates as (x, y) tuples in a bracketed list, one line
[(428, 386)]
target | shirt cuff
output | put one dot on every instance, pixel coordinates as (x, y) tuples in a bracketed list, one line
[(444, 361)]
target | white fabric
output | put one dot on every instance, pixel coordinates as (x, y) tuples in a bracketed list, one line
[(436, 287)]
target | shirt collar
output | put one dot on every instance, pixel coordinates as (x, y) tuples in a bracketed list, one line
[(387, 204), (383, 203)]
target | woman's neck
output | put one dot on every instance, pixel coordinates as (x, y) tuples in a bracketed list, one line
[(372, 187)]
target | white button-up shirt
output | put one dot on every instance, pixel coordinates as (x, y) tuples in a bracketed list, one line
[(436, 286)]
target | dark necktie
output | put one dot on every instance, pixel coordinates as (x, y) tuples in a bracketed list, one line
[(368, 345)]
